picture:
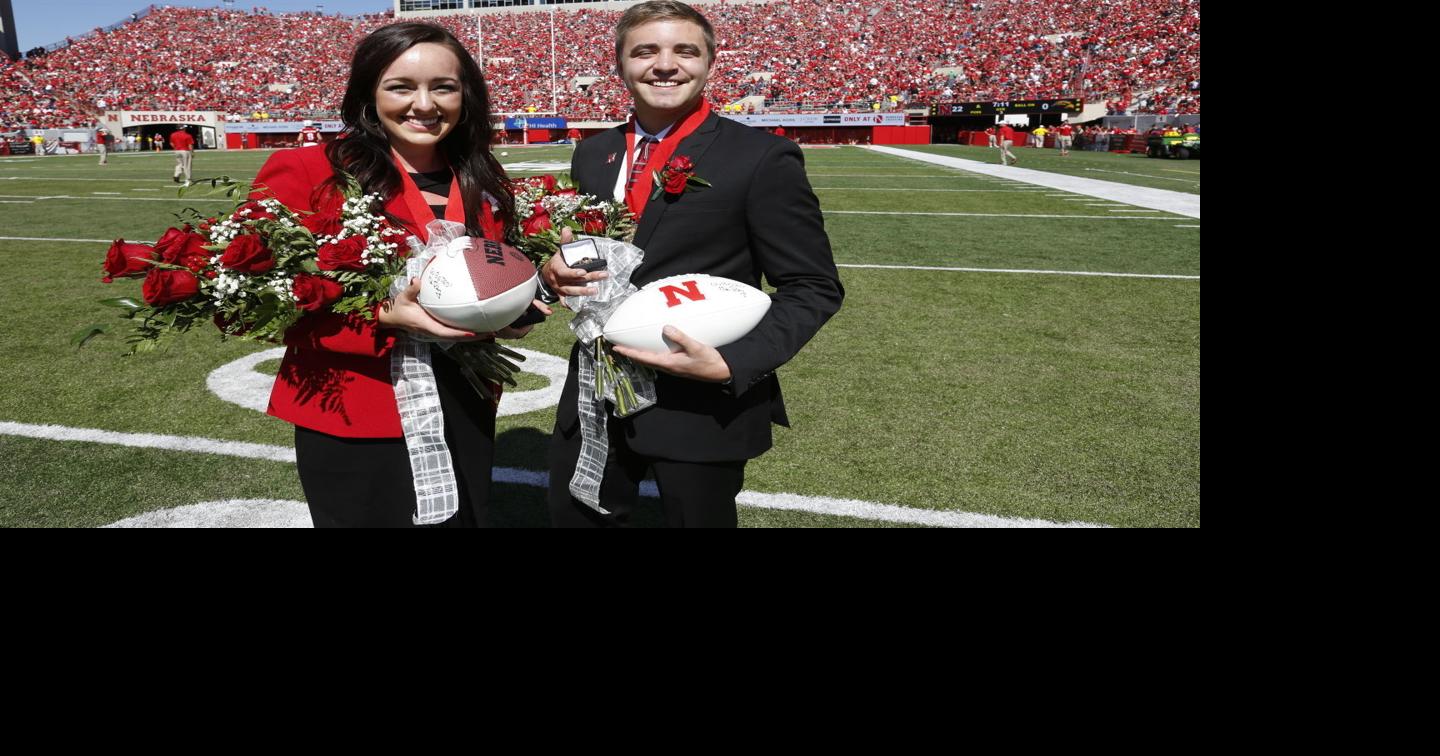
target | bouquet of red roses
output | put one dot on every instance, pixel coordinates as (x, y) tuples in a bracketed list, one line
[(547, 204), (256, 271)]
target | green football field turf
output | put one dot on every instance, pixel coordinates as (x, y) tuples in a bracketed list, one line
[(1018, 394)]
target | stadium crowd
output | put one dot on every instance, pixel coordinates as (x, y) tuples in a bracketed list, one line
[(794, 55)]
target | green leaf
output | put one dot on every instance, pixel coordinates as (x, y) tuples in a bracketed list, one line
[(124, 303), (82, 337)]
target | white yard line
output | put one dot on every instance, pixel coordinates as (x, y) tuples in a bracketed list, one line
[(882, 189), (892, 175), (997, 215), (49, 239), (1005, 270), (47, 178), (1165, 200), (867, 510), (876, 267), (67, 197)]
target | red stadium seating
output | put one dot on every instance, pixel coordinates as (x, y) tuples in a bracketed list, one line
[(847, 55)]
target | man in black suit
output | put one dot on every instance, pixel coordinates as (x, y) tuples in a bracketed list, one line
[(757, 217)]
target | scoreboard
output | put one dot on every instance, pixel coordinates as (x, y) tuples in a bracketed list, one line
[(1009, 107)]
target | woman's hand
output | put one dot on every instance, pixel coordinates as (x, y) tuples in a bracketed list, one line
[(405, 313)]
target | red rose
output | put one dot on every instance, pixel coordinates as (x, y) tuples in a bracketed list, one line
[(675, 182), (593, 222), (247, 254), (182, 248), (681, 163), (315, 292), (125, 260), (163, 287), (323, 224), (547, 181), (537, 223), (344, 255)]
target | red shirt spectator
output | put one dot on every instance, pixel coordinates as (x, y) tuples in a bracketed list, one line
[(181, 141)]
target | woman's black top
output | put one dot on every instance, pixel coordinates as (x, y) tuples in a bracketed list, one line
[(437, 182)]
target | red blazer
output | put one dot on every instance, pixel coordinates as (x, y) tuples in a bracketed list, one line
[(335, 377)]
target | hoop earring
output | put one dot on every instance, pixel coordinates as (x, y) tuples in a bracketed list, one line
[(375, 122)]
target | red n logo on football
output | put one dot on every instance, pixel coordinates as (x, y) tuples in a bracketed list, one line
[(691, 291)]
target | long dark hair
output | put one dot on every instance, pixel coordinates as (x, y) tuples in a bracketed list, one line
[(363, 151)]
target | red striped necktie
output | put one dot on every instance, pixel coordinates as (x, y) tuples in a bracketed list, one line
[(641, 158)]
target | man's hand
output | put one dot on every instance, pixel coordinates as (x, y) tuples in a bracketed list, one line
[(696, 361), (566, 281)]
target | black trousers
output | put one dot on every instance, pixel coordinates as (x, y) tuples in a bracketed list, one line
[(692, 494), (368, 483)]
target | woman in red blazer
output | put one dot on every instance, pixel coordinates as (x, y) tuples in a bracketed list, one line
[(417, 132)]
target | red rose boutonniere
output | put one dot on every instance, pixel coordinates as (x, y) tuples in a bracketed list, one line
[(677, 177)]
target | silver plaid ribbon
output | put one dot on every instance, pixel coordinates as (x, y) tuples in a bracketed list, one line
[(589, 323), (437, 495)]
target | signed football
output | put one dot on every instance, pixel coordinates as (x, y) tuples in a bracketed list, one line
[(712, 310), (478, 285)]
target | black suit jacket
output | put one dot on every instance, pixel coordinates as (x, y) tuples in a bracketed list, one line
[(759, 218)]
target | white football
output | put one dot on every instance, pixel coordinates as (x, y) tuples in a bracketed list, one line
[(478, 285), (712, 310)]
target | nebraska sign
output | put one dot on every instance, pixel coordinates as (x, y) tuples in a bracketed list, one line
[(132, 118)]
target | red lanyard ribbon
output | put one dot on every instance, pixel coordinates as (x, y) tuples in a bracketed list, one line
[(639, 194)]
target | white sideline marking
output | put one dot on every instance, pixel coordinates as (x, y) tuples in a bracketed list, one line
[(1180, 203), (17, 202), (115, 193), (151, 441), (1143, 175), (535, 165), (1187, 227), (1134, 210), (45, 178), (813, 504), (881, 189), (39, 238), (1005, 270), (891, 175), (133, 199), (998, 215)]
